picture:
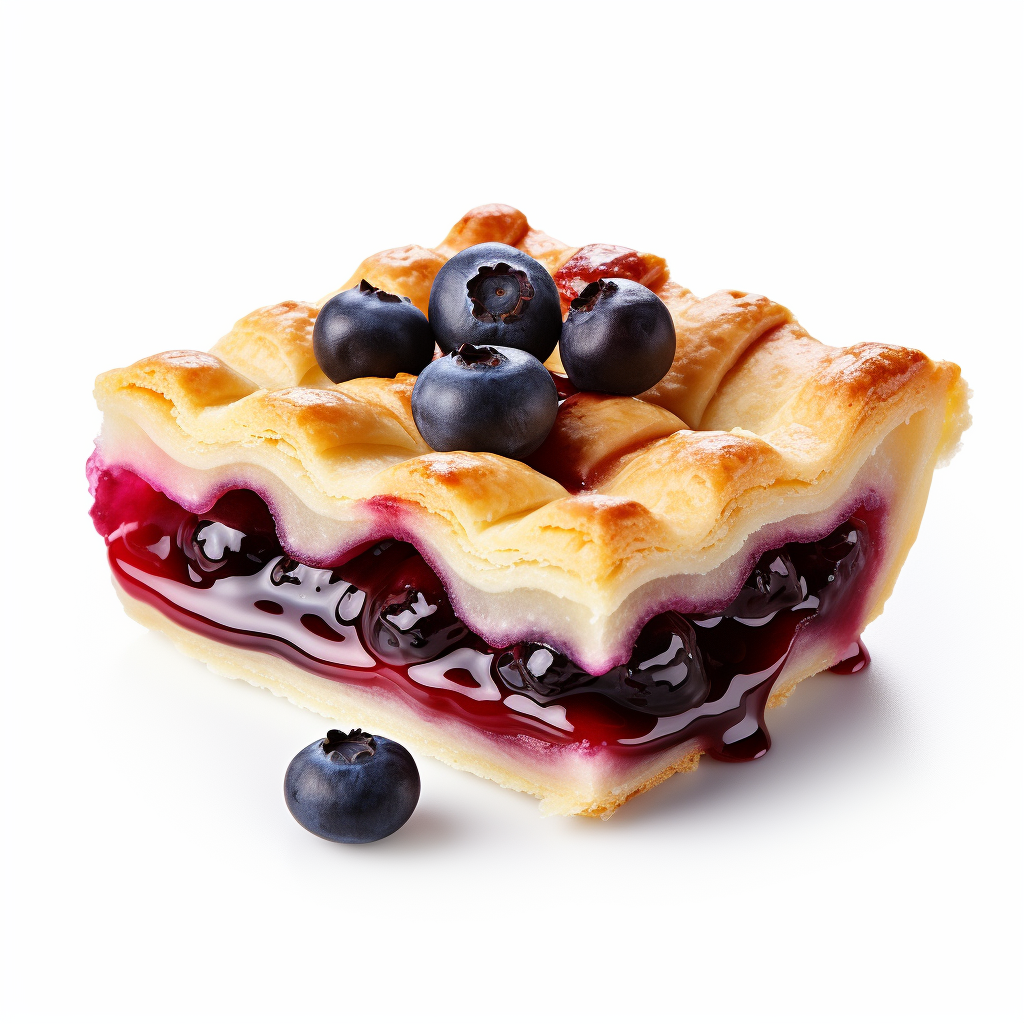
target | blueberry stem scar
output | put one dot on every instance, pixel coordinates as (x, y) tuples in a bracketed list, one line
[(349, 747)]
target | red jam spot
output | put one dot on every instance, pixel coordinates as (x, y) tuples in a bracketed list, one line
[(563, 385), (383, 620), (593, 262), (855, 659)]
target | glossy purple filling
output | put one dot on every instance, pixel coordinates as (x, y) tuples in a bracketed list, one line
[(383, 619)]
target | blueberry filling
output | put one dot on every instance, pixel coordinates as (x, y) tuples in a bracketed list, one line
[(408, 617), (665, 675), (383, 619)]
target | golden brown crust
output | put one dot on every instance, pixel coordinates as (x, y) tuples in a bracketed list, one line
[(604, 810), (780, 426), (756, 423), (595, 435), (408, 270), (711, 335), (544, 249), (494, 222), (273, 346)]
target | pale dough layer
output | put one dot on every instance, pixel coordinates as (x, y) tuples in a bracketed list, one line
[(755, 425), (757, 435)]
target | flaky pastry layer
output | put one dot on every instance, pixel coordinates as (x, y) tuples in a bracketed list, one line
[(758, 434)]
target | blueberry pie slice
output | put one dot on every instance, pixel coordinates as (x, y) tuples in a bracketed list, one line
[(591, 588)]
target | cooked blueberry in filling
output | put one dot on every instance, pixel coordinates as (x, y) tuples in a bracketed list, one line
[(773, 586), (383, 619), (665, 675), (408, 617), (218, 551)]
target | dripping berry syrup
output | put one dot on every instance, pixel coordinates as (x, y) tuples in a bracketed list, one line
[(855, 659), (383, 620)]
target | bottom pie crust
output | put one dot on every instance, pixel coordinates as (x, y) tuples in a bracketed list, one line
[(567, 780)]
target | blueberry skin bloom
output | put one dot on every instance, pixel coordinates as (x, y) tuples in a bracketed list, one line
[(352, 787), (618, 338), (366, 332), (486, 399), (492, 294)]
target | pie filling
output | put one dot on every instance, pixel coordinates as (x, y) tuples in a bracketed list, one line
[(382, 619)]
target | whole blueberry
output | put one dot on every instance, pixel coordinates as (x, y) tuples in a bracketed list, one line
[(366, 332), (486, 399), (352, 787), (493, 294), (617, 338)]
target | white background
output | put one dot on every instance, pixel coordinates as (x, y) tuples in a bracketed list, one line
[(170, 168)]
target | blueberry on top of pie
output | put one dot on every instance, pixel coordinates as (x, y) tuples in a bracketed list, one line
[(611, 584)]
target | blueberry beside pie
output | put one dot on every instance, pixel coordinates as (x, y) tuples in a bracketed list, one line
[(579, 622)]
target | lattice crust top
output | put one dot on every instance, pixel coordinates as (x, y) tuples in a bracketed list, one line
[(754, 418)]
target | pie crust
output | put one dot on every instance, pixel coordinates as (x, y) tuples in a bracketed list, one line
[(759, 434)]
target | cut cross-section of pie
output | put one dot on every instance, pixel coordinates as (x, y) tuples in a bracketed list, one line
[(578, 626)]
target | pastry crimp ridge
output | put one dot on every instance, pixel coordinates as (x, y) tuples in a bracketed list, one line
[(758, 434)]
